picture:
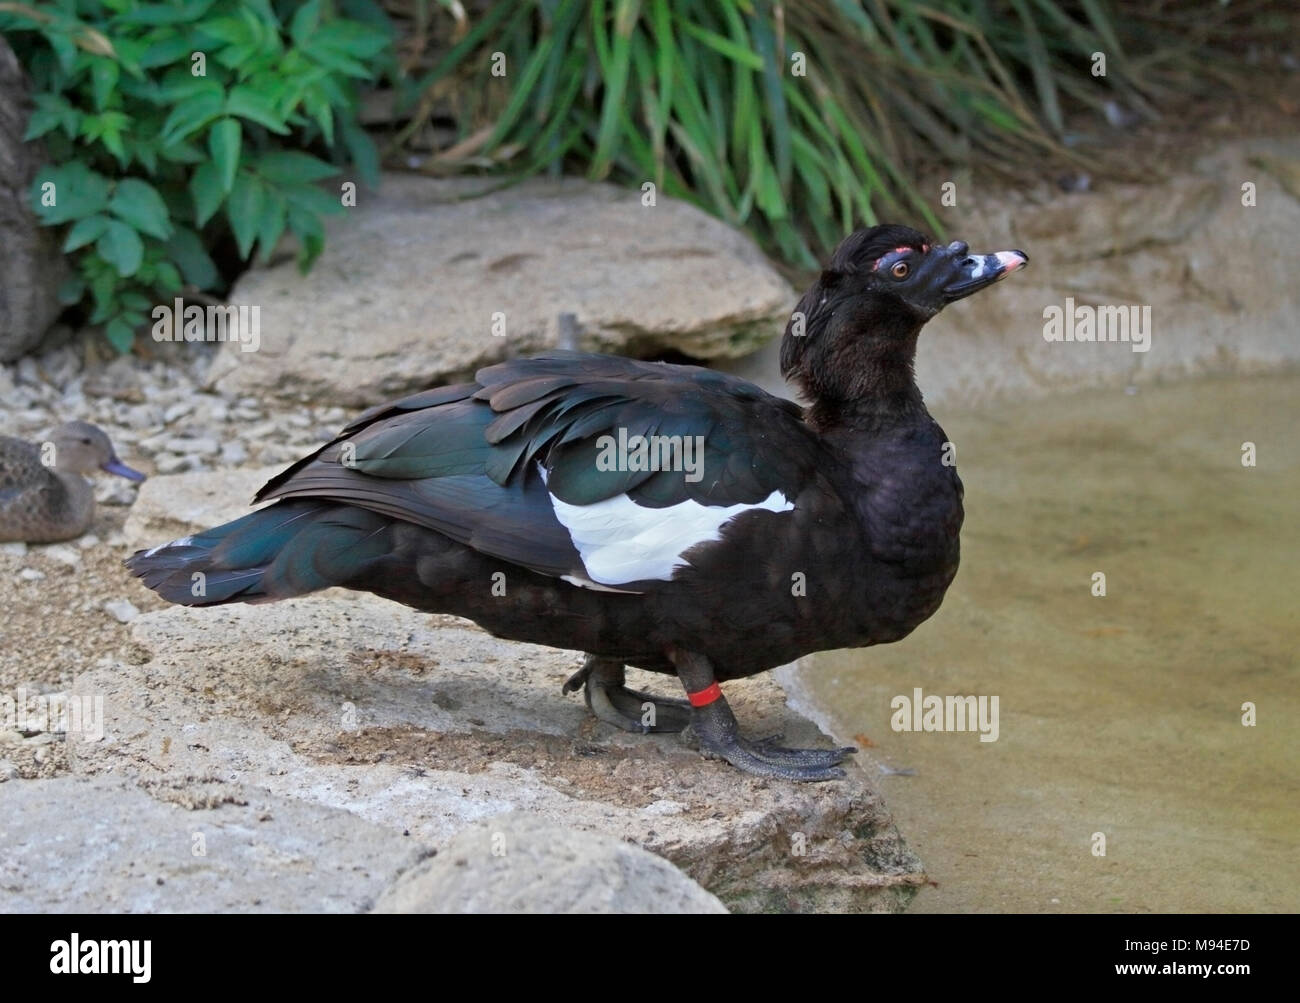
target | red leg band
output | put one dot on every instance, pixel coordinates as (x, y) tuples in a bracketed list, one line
[(706, 696)]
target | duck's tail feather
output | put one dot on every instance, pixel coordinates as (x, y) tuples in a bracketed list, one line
[(287, 549)]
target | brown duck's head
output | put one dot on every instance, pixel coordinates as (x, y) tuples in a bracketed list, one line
[(82, 448)]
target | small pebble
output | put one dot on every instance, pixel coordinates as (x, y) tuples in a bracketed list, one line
[(31, 575), (27, 371), (116, 491), (193, 447), (142, 416), (168, 463), (15, 549), (233, 453), (63, 554), (121, 610)]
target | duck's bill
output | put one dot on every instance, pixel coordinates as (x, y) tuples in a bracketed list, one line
[(116, 466), (975, 271)]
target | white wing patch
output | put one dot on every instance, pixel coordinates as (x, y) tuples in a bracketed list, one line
[(184, 541), (621, 541)]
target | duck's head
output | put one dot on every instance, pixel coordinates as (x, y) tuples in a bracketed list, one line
[(82, 448), (853, 335)]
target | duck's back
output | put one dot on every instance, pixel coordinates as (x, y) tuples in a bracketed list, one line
[(37, 505)]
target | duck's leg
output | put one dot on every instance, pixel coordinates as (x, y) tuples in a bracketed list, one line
[(603, 680), (719, 734)]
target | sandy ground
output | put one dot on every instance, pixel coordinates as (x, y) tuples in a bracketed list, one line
[(56, 627)]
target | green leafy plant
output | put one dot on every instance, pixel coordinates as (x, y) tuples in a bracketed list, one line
[(172, 124), (797, 120)]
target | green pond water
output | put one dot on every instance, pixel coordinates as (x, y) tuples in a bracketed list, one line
[(1120, 714)]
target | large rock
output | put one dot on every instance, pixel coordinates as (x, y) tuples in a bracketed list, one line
[(407, 289), (1218, 276), (520, 863), (187, 844), (33, 266), (425, 724)]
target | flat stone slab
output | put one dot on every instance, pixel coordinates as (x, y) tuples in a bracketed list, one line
[(425, 725), (187, 844), (519, 863)]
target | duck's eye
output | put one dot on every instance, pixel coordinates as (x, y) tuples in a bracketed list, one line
[(900, 270)]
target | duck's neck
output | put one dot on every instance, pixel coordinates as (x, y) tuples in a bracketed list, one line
[(76, 509), (870, 398), (856, 368), (872, 416)]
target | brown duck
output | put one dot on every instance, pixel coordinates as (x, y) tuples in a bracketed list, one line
[(43, 495)]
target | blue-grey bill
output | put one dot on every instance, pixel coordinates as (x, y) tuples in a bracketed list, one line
[(116, 466)]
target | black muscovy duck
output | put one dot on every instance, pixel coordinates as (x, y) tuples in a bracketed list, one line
[(666, 517)]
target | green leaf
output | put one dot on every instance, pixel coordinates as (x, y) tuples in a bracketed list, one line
[(337, 61), (304, 23), (168, 279), (231, 30), (146, 152), (182, 153), (78, 191), (615, 71), (103, 78), (138, 203), (247, 103), (108, 127), (223, 144), (180, 85), (318, 107), (158, 13), (65, 50), (350, 38), (207, 190), (135, 300), (84, 231), (192, 114), (187, 250), (244, 211), (52, 111), (363, 153), (121, 247), (103, 288), (165, 51), (274, 216), (120, 334), (72, 289), (314, 200), (289, 167), (311, 235), (720, 43), (237, 57)]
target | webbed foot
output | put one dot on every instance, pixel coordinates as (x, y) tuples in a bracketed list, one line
[(719, 734), (603, 680)]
